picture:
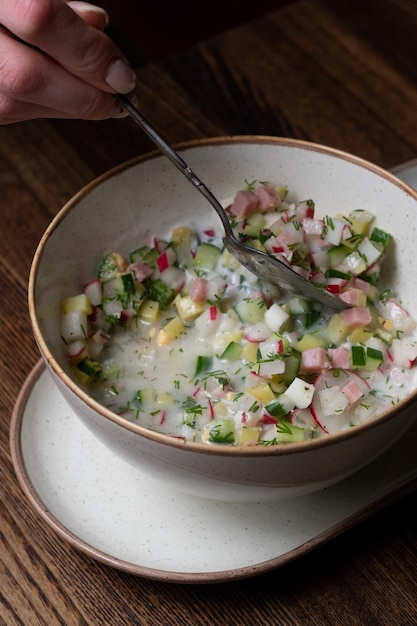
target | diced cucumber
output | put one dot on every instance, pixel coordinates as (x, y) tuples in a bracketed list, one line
[(292, 368), (146, 254), (251, 311), (203, 365), (112, 264), (221, 430), (160, 292), (358, 356), (206, 256), (373, 360), (288, 433), (232, 352), (88, 367), (337, 254), (276, 409), (380, 237)]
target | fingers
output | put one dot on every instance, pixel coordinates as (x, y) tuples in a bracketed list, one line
[(33, 85), (56, 61), (85, 51), (94, 16)]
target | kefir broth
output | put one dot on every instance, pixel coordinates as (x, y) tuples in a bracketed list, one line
[(182, 339)]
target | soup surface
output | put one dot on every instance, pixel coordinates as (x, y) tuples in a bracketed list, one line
[(179, 337)]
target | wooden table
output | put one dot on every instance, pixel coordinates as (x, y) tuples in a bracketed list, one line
[(340, 73)]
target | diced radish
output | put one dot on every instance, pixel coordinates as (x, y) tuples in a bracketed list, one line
[(272, 367), (393, 310), (404, 351), (94, 291), (213, 313), (159, 244), (174, 277), (216, 287), (303, 418), (166, 259), (370, 252), (271, 347), (258, 332), (334, 230), (75, 349), (74, 326), (207, 323), (312, 226)]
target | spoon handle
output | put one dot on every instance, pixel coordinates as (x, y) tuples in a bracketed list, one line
[(175, 158)]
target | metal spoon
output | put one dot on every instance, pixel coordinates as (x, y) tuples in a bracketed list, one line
[(262, 264)]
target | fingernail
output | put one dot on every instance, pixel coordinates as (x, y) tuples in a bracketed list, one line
[(120, 76), (86, 7)]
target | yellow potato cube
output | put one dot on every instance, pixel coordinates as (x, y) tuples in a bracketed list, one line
[(360, 335), (81, 302), (181, 235), (309, 341), (248, 436), (149, 311), (164, 398), (228, 260), (336, 330), (261, 392), (170, 331), (249, 352), (188, 310)]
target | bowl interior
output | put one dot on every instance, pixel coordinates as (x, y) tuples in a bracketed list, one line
[(125, 207)]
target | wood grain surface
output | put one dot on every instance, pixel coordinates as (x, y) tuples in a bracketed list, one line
[(342, 73)]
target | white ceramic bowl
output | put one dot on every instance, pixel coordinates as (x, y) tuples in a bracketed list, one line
[(148, 195)]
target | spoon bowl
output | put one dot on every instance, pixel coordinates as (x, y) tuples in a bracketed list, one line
[(266, 267)]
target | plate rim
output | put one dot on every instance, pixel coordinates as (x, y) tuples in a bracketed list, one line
[(165, 575)]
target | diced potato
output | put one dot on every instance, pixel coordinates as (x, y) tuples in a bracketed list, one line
[(249, 352), (308, 341), (181, 235), (149, 311), (228, 260), (337, 330), (188, 310), (261, 392), (360, 221), (170, 331), (248, 436), (360, 335), (81, 302)]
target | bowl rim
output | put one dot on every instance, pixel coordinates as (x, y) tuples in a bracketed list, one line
[(282, 449)]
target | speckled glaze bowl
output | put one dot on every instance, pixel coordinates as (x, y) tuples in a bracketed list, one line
[(148, 195)]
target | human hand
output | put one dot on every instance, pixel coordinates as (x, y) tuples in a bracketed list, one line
[(56, 62)]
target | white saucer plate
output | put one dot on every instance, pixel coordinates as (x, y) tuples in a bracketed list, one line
[(120, 517)]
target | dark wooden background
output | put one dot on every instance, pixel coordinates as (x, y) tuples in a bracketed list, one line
[(339, 72)]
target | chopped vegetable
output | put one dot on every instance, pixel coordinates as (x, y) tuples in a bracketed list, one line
[(179, 337)]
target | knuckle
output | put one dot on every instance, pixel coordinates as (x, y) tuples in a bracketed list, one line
[(18, 77), (34, 17)]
